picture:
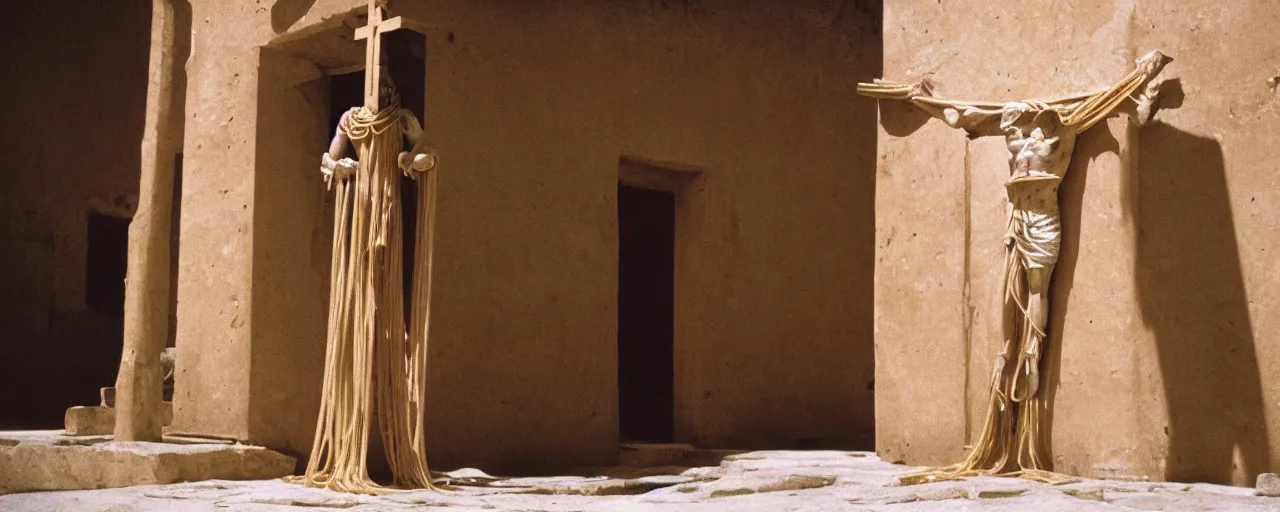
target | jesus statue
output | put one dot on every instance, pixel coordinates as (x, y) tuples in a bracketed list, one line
[(1040, 135), (375, 368)]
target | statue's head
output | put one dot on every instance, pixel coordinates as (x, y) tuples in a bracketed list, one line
[(1011, 114), (1152, 62), (387, 94)]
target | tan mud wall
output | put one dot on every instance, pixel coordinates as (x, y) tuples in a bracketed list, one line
[(532, 106), (1162, 353), (73, 94), (254, 230)]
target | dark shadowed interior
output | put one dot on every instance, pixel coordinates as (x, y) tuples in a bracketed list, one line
[(646, 266)]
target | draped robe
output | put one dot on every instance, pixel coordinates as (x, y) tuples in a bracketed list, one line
[(373, 367)]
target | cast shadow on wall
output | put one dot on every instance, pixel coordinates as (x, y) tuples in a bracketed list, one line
[(1192, 296), (284, 13), (1190, 289), (900, 119)]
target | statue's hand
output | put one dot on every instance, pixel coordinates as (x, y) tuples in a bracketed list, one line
[(1153, 61), (337, 170), (1146, 102), (346, 168), (420, 162)]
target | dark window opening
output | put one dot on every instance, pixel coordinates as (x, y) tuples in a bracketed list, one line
[(106, 263), (646, 307)]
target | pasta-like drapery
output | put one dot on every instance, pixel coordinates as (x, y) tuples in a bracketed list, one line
[(1040, 135), (373, 367)]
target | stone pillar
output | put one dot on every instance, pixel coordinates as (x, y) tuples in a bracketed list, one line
[(146, 319), (213, 367), (256, 233)]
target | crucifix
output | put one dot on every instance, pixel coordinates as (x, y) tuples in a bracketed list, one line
[(1040, 135), (372, 32), (375, 364)]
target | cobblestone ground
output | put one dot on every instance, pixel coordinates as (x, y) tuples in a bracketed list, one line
[(755, 481)]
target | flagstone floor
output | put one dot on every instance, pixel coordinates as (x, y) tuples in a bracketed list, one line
[(754, 481)]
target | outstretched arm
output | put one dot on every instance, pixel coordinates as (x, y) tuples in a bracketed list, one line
[(976, 117), (421, 157), (332, 164), (1136, 86), (1135, 93)]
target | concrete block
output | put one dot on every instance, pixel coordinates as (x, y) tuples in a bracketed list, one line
[(49, 461), (100, 420)]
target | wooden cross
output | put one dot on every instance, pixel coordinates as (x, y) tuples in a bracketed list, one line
[(373, 49)]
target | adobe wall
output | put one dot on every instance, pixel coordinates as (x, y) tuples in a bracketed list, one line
[(1164, 300), (532, 107), (252, 280), (73, 98)]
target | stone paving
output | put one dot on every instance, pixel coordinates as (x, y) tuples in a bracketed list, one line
[(808, 481)]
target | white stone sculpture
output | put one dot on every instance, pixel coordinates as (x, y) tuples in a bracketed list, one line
[(1040, 135)]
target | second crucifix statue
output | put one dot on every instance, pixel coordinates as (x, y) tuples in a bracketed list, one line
[(1040, 135)]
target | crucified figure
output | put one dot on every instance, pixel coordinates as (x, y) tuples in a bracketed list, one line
[(1040, 135), (375, 365), (333, 165)]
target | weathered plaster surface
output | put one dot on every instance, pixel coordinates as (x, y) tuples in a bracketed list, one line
[(73, 103), (239, 378), (532, 106), (773, 241), (1165, 290)]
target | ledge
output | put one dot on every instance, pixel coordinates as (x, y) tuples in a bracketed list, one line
[(51, 461)]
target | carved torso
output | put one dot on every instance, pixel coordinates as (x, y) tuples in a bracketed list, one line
[(407, 124), (1039, 145), (1039, 154)]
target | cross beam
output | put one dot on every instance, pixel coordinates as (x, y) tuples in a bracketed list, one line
[(373, 49)]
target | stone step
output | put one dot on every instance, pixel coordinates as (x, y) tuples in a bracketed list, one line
[(100, 420), (669, 454), (50, 461), (107, 396)]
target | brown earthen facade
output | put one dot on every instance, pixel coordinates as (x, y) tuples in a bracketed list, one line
[(1162, 347), (793, 239), (74, 94), (536, 110)]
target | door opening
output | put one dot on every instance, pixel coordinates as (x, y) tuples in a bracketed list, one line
[(646, 303)]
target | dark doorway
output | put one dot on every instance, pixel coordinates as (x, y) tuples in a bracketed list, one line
[(175, 247), (646, 303), (108, 250)]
